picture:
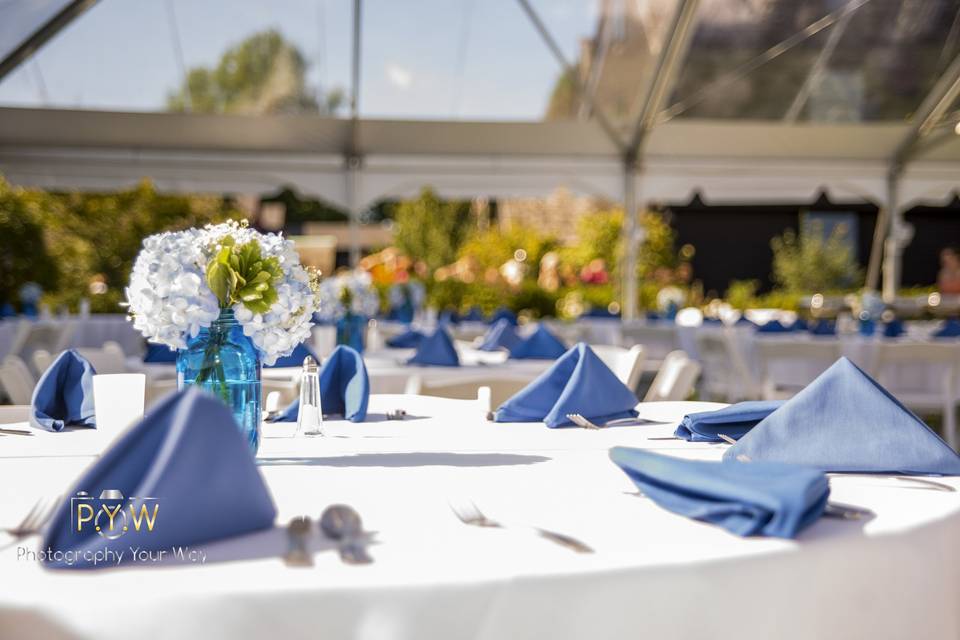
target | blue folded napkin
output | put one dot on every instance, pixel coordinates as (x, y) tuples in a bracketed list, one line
[(409, 339), (64, 395), (715, 322), (501, 335), (823, 327), (449, 317), (652, 316), (600, 312), (401, 313), (182, 476), (295, 359), (578, 382), (867, 327), (504, 314), (733, 421), (344, 388), (845, 422), (774, 326), (159, 353), (893, 329), (475, 314), (745, 320), (950, 329), (746, 499), (539, 345), (436, 349), (7, 311)]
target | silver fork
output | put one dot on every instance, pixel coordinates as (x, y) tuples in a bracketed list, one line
[(468, 513), (35, 519), (586, 423), (580, 421)]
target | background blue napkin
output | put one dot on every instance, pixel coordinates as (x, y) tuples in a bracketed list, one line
[(344, 388), (774, 326), (409, 339), (501, 335), (449, 316), (436, 349), (159, 353), (579, 382), (401, 313), (64, 395), (845, 422), (504, 314), (893, 329), (188, 456), (950, 329), (733, 421), (824, 327), (744, 320), (475, 314), (540, 345), (746, 499), (296, 358)]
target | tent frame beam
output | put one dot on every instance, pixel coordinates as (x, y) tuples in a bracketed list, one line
[(669, 64), (888, 233), (43, 34)]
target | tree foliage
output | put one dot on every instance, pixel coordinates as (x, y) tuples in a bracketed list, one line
[(262, 74), (811, 262), (23, 253), (431, 230)]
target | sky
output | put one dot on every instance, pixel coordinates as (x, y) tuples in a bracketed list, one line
[(444, 59)]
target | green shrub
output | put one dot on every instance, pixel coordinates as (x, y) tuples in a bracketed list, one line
[(809, 263)]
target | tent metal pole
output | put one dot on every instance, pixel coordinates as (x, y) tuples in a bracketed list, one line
[(40, 37), (628, 270), (353, 161), (889, 220), (892, 249)]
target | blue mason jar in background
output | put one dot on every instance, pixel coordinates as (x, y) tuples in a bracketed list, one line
[(350, 331), (224, 362)]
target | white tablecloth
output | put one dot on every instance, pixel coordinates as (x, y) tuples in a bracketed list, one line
[(654, 575)]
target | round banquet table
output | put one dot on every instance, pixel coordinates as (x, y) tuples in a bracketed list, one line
[(654, 574)]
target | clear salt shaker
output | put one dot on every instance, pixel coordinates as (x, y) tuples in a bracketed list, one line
[(310, 415)]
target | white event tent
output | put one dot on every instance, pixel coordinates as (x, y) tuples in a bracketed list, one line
[(663, 150)]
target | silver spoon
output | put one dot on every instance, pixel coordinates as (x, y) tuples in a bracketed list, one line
[(343, 524)]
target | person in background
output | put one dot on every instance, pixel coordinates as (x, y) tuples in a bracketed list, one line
[(948, 280)]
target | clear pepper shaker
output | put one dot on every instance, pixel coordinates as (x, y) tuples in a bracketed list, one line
[(310, 415)]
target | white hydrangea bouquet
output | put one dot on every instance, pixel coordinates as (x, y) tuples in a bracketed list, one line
[(182, 281), (348, 293)]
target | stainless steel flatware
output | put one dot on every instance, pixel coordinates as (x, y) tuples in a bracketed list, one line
[(468, 513), (846, 511), (586, 423), (33, 523), (726, 438), (298, 532), (15, 432), (342, 523), (398, 414), (919, 483)]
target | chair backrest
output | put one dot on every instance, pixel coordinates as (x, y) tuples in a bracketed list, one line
[(568, 333), (41, 360), (51, 335), (725, 371), (106, 360), (815, 356), (16, 379), (489, 389), (676, 378), (626, 364), (658, 341), (14, 413), (891, 355)]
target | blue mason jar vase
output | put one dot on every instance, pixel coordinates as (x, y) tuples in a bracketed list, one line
[(350, 331), (224, 362)]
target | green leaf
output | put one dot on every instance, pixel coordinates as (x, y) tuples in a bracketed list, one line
[(227, 241), (218, 279)]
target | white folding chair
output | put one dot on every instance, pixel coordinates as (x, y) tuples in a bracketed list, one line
[(942, 399), (489, 390), (41, 361), (658, 341), (17, 380), (14, 413), (676, 378), (726, 375), (626, 364), (107, 359), (788, 365)]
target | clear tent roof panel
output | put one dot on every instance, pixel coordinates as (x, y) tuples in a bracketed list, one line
[(19, 18)]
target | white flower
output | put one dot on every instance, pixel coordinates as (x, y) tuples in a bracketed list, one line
[(364, 299), (170, 301)]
